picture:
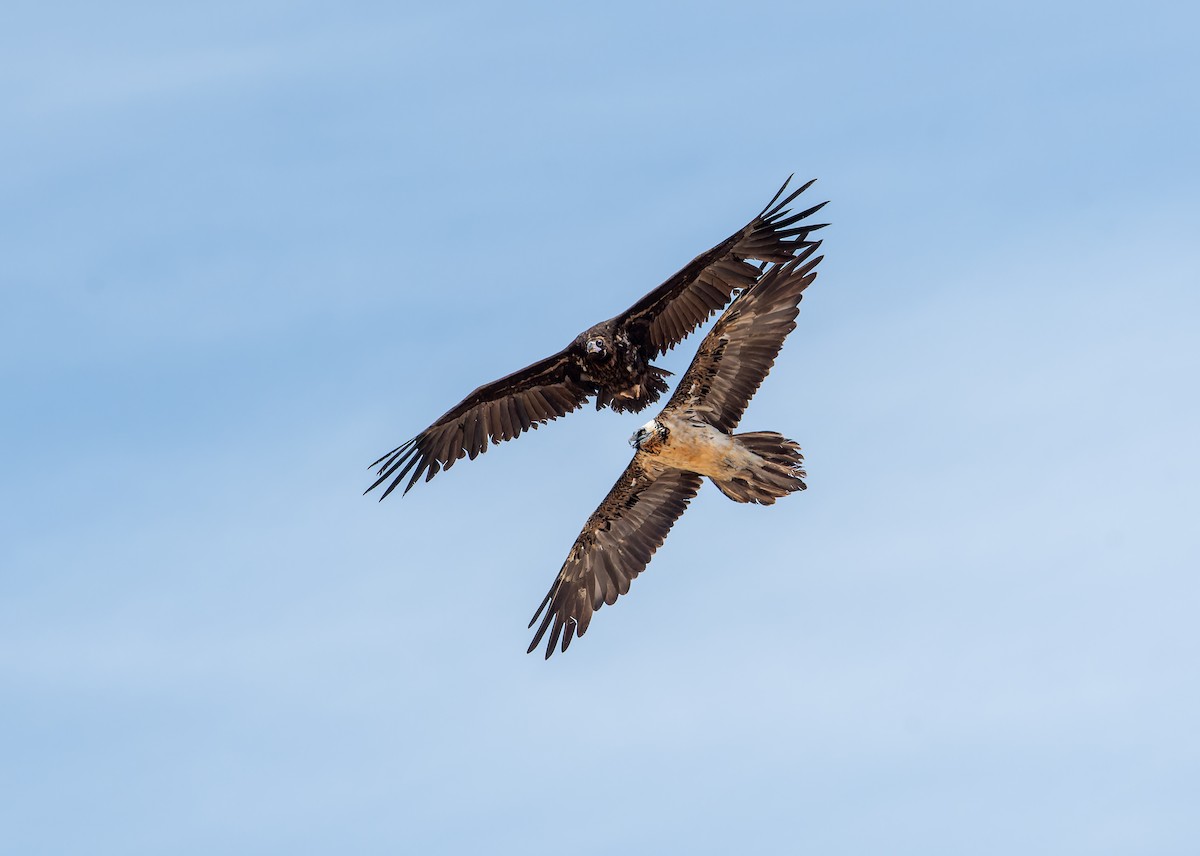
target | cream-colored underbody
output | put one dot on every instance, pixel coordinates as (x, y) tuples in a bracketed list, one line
[(693, 444)]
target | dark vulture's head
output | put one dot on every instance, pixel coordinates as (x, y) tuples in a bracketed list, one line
[(650, 437), (597, 348)]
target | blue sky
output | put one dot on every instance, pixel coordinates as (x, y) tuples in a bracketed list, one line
[(249, 247)]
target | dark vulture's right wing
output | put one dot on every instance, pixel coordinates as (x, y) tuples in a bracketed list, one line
[(495, 412), (614, 547), (548, 389), (703, 286), (740, 349)]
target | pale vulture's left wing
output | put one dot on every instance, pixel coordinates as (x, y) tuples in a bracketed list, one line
[(740, 349), (704, 285), (614, 547)]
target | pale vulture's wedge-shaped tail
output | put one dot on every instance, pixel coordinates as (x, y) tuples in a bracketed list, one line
[(778, 469)]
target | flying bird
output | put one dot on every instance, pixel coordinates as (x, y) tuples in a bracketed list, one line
[(610, 360), (691, 438)]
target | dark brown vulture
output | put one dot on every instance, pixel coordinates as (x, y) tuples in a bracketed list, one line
[(610, 360), (691, 438)]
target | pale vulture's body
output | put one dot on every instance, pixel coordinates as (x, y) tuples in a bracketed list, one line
[(610, 361), (690, 439), (695, 445)]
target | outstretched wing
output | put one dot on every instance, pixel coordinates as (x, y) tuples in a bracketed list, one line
[(740, 349), (495, 412), (705, 284), (615, 545)]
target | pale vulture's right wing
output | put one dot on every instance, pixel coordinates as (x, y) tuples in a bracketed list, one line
[(740, 349), (614, 547)]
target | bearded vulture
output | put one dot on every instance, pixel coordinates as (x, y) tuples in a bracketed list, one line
[(691, 438), (610, 360)]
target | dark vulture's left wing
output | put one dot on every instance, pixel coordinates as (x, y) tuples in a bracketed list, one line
[(703, 286), (740, 349), (614, 547), (551, 388), (495, 412)]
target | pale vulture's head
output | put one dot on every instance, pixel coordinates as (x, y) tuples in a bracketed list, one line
[(649, 437)]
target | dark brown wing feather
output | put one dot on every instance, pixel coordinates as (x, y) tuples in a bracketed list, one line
[(495, 412), (705, 284), (615, 545), (740, 349)]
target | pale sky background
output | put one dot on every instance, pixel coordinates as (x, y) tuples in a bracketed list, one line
[(248, 247)]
